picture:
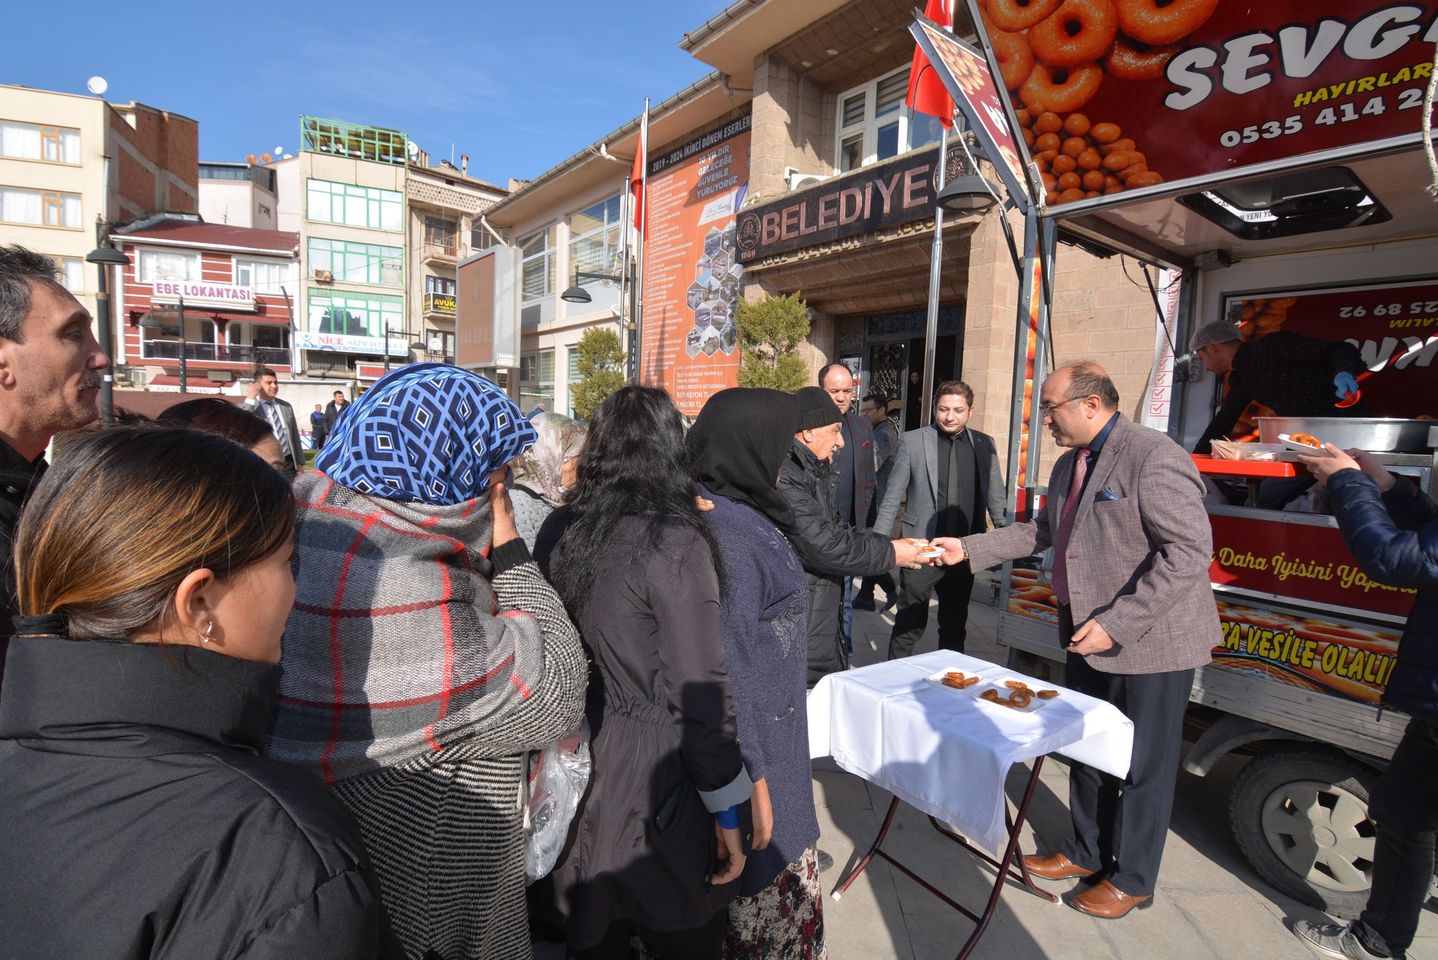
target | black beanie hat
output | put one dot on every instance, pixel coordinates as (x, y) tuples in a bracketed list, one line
[(815, 408)]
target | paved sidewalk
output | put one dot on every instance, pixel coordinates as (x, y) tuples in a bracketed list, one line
[(1211, 904)]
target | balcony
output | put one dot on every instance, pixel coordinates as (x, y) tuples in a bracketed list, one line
[(442, 252), (216, 353), (439, 304)]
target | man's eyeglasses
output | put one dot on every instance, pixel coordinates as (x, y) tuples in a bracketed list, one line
[(1047, 409)]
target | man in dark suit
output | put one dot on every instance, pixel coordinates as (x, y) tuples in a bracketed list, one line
[(333, 409), (949, 476), (875, 409), (854, 465), (264, 401), (1132, 543)]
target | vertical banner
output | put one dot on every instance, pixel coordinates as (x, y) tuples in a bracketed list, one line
[(692, 277), (1158, 399), (486, 322)]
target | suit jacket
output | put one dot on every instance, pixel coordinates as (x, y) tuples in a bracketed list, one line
[(332, 413), (857, 458), (915, 475), (886, 445), (292, 427), (1138, 553)]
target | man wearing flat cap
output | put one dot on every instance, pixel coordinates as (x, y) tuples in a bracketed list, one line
[(829, 548), (1293, 375)]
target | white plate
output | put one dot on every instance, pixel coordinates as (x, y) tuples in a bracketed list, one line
[(939, 679), (1307, 448), (997, 684), (929, 553)]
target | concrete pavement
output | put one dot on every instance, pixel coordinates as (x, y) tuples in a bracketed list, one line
[(1210, 904)]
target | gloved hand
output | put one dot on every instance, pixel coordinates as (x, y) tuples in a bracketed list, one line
[(1343, 384)]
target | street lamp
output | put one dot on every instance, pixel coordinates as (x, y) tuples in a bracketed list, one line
[(389, 332), (154, 321), (577, 294), (105, 256)]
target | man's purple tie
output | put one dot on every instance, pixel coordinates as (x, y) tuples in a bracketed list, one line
[(1066, 522)]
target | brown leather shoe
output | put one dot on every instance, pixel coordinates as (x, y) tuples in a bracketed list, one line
[(1054, 867), (1107, 902)]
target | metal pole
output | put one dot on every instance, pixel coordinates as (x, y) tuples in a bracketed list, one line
[(386, 348), (936, 265), (1048, 235), (184, 380), (103, 323), (1021, 356)]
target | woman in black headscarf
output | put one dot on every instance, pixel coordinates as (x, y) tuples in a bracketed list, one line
[(736, 446)]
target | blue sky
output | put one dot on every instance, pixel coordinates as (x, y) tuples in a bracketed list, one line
[(518, 87)]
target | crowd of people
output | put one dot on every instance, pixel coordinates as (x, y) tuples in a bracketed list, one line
[(255, 710)]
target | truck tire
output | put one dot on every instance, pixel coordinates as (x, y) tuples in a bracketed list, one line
[(1300, 814)]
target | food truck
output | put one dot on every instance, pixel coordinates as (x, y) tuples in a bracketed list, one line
[(1268, 157)]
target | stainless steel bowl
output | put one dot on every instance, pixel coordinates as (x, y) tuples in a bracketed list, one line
[(1375, 434)]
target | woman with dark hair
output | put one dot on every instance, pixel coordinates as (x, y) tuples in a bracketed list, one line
[(140, 819), (217, 415), (738, 444), (426, 655), (636, 565)]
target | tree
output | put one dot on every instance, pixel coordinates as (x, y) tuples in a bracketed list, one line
[(601, 370), (769, 332)]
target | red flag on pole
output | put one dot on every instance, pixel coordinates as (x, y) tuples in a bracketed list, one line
[(636, 175), (926, 91)]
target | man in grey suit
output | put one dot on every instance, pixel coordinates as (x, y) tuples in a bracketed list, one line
[(264, 402), (950, 477), (1136, 614)]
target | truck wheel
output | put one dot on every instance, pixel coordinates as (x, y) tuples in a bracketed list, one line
[(1300, 815)]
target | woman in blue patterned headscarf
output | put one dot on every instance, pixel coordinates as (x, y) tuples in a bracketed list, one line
[(425, 655)]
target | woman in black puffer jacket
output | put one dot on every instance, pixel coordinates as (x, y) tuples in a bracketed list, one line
[(140, 820), (1391, 529)]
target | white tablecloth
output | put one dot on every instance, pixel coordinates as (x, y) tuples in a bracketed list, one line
[(943, 751)]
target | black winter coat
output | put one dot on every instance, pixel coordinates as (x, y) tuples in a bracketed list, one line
[(830, 550), (140, 820), (1394, 538), (17, 476)]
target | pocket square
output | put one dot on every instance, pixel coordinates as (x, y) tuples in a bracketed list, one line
[(1106, 495)]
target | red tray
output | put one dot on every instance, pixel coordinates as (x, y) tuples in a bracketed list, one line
[(1255, 469)]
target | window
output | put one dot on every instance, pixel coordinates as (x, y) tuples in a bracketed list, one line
[(328, 202), (536, 380), (357, 262), (479, 237), (594, 238), (873, 124), (439, 232), (28, 141), (164, 265), (265, 276), (40, 207), (376, 144), (70, 271), (439, 285), (538, 250), (572, 377), (355, 315), (270, 336)]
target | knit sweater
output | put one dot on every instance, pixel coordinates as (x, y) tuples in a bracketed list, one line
[(417, 673), (766, 650)]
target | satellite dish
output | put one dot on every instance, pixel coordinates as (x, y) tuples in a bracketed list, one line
[(97, 85), (412, 149), (278, 151)]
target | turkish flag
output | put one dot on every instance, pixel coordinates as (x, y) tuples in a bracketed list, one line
[(636, 179), (926, 90)]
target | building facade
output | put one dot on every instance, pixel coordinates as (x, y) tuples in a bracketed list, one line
[(202, 305), (70, 164), (238, 194)]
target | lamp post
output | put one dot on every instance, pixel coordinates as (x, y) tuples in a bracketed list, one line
[(389, 332), (105, 256), (577, 294), (151, 321)]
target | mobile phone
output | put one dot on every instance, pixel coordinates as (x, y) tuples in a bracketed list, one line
[(668, 810)]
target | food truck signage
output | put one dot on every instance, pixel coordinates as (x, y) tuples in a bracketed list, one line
[(1394, 326), (1114, 97), (1297, 561)]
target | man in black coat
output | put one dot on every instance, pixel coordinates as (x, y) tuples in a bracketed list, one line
[(333, 409), (1391, 529), (830, 549), (949, 476), (50, 375), (264, 402), (853, 471)]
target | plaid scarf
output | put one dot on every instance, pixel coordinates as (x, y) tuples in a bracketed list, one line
[(394, 647)]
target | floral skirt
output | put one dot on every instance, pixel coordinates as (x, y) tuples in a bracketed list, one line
[(785, 921)]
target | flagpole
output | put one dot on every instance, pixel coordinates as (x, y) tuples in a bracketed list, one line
[(626, 289), (637, 318), (936, 262)]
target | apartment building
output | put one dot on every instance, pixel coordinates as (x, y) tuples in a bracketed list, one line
[(445, 207), (70, 163), (344, 193), (238, 194), (201, 305)]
